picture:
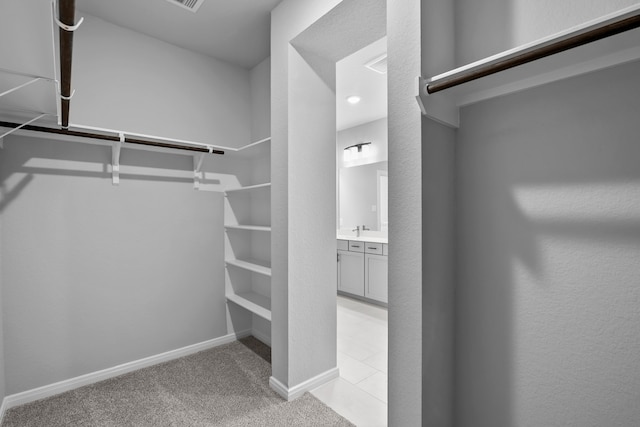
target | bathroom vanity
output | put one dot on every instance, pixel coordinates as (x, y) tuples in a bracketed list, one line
[(363, 267)]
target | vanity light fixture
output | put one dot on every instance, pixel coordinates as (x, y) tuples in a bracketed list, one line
[(353, 99), (353, 152)]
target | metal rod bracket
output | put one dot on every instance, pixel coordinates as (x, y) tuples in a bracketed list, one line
[(66, 27), (437, 107), (422, 94), (115, 160), (67, 98), (197, 169)]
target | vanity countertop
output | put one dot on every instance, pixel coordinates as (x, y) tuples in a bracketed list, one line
[(363, 238)]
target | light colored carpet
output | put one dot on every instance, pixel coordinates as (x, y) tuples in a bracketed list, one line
[(223, 386)]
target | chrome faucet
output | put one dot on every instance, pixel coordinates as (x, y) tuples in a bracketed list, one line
[(365, 228), (357, 230)]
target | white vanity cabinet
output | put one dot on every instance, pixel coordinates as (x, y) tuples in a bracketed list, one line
[(376, 277), (350, 272), (362, 269)]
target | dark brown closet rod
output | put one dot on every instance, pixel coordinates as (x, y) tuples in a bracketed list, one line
[(113, 138), (66, 15), (551, 49)]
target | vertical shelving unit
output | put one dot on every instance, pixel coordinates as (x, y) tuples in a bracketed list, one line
[(248, 238)]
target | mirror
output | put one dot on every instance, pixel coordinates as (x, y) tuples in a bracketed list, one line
[(363, 195)]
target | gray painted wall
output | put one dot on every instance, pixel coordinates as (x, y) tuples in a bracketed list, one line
[(131, 82), (484, 28), (438, 282), (548, 248), (288, 20), (28, 21), (95, 275), (260, 84), (2, 370), (312, 283), (405, 216), (303, 175), (438, 227)]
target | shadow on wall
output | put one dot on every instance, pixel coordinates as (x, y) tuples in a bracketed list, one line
[(548, 241), (8, 195), (26, 158), (96, 275)]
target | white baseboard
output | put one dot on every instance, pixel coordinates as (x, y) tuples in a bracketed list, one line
[(300, 389), (3, 409), (94, 377)]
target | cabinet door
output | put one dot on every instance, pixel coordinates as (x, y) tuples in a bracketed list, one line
[(351, 272), (376, 277)]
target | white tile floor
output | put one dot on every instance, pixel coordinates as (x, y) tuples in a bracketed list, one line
[(360, 394)]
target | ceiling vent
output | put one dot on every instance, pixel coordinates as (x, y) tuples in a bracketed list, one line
[(192, 5), (378, 64)]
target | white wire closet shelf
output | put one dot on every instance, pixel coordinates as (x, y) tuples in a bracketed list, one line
[(258, 148), (253, 265), (239, 190), (252, 301), (248, 227)]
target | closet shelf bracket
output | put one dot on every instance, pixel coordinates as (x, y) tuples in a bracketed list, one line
[(437, 107), (66, 98), (70, 28), (197, 164), (197, 167), (115, 160)]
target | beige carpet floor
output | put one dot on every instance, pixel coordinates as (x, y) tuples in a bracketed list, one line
[(223, 386)]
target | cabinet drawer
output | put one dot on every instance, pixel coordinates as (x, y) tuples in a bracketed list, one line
[(343, 245), (373, 248), (355, 246)]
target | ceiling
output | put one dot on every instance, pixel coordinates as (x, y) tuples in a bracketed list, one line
[(353, 78), (234, 31)]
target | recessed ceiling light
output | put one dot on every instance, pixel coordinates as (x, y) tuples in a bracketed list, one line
[(353, 99)]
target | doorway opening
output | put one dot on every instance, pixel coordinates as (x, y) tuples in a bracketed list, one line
[(362, 228)]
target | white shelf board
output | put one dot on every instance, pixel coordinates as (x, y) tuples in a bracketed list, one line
[(248, 188), (255, 303), (249, 227), (604, 53), (250, 265)]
